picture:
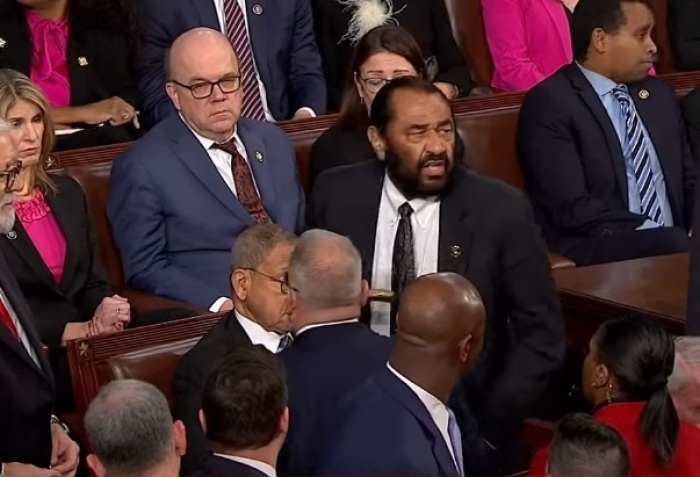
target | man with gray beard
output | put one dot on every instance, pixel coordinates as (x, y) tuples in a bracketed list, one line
[(33, 442)]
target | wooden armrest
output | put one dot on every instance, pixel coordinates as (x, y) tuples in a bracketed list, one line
[(145, 302), (557, 261)]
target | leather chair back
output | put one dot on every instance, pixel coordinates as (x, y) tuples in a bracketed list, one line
[(468, 29)]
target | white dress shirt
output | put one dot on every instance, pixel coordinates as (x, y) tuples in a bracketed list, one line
[(436, 408), (20, 329), (425, 222), (320, 325), (259, 335), (263, 467), (219, 5)]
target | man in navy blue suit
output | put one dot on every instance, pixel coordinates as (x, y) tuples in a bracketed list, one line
[(274, 41), (182, 194), (333, 352), (603, 147), (397, 422)]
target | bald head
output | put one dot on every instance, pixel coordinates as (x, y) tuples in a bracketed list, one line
[(439, 309), (196, 47)]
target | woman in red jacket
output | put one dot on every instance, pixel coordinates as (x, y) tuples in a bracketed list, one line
[(624, 376)]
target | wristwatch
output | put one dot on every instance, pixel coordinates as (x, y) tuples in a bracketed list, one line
[(56, 420)]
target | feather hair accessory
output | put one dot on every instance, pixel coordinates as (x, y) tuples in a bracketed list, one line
[(367, 15)]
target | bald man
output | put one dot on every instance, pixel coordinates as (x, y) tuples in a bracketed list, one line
[(182, 194), (398, 422)]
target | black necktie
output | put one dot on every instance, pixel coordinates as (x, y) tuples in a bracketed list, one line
[(403, 263)]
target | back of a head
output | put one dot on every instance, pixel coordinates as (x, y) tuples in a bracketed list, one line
[(684, 382), (254, 244), (639, 354), (130, 428), (325, 269), (244, 399), (584, 447)]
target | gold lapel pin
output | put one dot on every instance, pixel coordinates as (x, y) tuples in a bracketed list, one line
[(455, 251), (643, 94), (82, 61), (259, 156), (3, 42)]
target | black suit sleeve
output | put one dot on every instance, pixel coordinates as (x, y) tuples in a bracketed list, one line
[(116, 69), (188, 386), (538, 342), (684, 29), (554, 173), (691, 115), (692, 321), (453, 68)]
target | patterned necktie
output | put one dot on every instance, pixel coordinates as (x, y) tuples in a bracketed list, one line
[(285, 342), (455, 441), (7, 320), (636, 152), (403, 264), (245, 187), (238, 36)]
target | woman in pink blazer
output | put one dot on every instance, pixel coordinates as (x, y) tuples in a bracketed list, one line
[(529, 40)]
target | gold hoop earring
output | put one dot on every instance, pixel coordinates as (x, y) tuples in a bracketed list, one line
[(608, 393)]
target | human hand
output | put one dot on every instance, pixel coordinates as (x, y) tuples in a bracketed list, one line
[(15, 469), (112, 311), (64, 452), (114, 110), (303, 113)]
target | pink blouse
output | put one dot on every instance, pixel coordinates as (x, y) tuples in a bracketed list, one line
[(44, 232), (49, 68)]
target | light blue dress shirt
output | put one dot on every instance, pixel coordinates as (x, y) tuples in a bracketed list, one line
[(604, 88)]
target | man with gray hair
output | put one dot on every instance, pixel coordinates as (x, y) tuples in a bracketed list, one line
[(684, 382), (260, 316), (333, 352), (33, 442), (132, 433)]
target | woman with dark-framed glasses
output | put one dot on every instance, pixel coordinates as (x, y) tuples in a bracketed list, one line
[(383, 54)]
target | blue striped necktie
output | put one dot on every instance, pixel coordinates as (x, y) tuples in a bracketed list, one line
[(455, 441), (636, 152)]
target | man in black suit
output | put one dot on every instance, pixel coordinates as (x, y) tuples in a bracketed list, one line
[(32, 440), (684, 31), (333, 352), (691, 114), (259, 261), (245, 414), (418, 212), (603, 147)]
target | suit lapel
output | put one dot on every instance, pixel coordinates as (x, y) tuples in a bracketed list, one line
[(455, 235), (257, 32), (69, 223), (207, 14), (592, 101), (408, 399), (190, 151), (260, 166), (366, 209), (24, 247)]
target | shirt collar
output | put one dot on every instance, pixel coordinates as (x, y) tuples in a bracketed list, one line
[(263, 467), (259, 335), (602, 85), (206, 142), (396, 199), (319, 325), (435, 407)]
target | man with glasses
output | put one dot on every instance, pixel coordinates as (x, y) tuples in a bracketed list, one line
[(186, 190), (259, 262), (33, 442)]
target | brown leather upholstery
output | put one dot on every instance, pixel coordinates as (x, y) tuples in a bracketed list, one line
[(666, 63), (468, 29)]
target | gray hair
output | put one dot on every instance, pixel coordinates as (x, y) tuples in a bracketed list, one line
[(252, 246), (326, 270), (686, 367), (129, 427)]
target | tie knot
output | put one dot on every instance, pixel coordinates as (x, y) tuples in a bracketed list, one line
[(405, 210), (228, 146), (621, 93)]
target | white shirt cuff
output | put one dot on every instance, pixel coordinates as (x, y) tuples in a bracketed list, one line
[(308, 110), (216, 306)]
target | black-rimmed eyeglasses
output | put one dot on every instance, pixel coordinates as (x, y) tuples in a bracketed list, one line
[(374, 84), (284, 282), (204, 89), (11, 174)]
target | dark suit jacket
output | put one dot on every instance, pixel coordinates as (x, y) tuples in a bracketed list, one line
[(281, 36), (487, 235), (178, 244), (573, 162), (106, 73), (384, 430), (684, 30), (215, 466), (27, 390), (691, 110), (188, 384), (339, 147), (428, 22), (323, 366), (691, 113)]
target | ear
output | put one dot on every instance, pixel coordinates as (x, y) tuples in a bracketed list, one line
[(202, 421), (358, 85), (601, 376), (180, 437), (599, 41), (240, 281), (364, 294), (465, 348), (377, 141), (173, 94), (284, 422), (96, 466)]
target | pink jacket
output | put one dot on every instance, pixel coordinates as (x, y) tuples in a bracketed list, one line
[(529, 40)]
